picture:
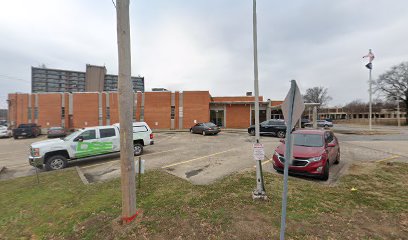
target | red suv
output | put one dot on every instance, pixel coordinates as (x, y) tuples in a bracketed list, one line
[(314, 151)]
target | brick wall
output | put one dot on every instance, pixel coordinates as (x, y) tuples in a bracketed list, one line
[(238, 116), (85, 110), (18, 108), (49, 110), (196, 106), (236, 99), (158, 109), (114, 108)]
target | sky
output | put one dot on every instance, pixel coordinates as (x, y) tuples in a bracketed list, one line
[(187, 45)]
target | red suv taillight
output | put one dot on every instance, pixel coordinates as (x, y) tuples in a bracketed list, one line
[(151, 135)]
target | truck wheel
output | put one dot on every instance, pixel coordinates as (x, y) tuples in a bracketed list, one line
[(252, 132), (15, 137), (137, 149), (55, 163)]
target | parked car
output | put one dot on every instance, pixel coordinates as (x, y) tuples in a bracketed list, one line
[(314, 151), (304, 122), (205, 128), (27, 130), (320, 123), (3, 123), (54, 132), (86, 143), (5, 132), (275, 127)]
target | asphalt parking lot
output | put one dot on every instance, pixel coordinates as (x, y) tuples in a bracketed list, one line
[(204, 159)]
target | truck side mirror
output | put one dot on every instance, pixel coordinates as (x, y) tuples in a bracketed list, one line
[(79, 139)]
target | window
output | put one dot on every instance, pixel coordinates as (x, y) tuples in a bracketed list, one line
[(307, 140), (139, 129), (107, 112), (62, 112), (107, 132), (329, 137), (36, 113), (172, 114), (88, 135), (279, 123)]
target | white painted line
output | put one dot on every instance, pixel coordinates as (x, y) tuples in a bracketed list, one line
[(164, 138), (103, 163), (99, 164), (18, 165), (5, 153), (195, 159)]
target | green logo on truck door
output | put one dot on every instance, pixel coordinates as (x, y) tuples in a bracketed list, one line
[(85, 149)]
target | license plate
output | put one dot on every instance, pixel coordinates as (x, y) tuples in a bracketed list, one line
[(23, 133)]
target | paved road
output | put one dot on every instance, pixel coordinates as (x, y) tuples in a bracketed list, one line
[(204, 159)]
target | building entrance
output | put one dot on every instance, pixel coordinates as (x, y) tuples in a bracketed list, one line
[(217, 117)]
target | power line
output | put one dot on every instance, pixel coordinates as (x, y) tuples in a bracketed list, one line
[(5, 77)]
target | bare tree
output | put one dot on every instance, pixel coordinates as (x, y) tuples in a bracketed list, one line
[(393, 84), (317, 95), (358, 106)]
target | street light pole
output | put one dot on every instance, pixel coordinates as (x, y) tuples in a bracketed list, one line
[(370, 110), (260, 186)]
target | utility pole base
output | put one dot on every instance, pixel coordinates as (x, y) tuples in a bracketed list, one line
[(259, 195)]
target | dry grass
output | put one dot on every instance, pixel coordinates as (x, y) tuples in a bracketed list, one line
[(62, 208)]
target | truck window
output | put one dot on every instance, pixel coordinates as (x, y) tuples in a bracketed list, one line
[(107, 132), (139, 129), (88, 135)]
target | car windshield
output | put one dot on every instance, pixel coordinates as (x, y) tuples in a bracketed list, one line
[(307, 140), (70, 136)]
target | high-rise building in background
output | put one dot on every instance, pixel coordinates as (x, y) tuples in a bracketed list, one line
[(94, 79)]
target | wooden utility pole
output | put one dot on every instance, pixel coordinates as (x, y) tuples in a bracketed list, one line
[(125, 90)]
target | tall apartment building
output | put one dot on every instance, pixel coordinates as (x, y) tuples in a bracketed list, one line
[(94, 79)]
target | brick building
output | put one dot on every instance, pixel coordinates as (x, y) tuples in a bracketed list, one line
[(161, 110)]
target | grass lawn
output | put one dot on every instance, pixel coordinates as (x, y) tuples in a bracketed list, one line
[(61, 207)]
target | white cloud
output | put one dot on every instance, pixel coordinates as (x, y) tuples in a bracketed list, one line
[(207, 45)]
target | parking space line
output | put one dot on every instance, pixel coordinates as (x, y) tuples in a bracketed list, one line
[(5, 153), (195, 159), (389, 158), (18, 165), (265, 162), (95, 165), (165, 138)]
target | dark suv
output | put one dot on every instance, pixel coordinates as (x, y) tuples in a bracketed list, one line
[(27, 130), (273, 127)]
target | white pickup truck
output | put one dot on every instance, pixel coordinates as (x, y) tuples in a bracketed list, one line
[(86, 143)]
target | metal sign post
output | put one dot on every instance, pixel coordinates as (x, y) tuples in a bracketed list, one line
[(259, 192), (292, 109), (370, 57)]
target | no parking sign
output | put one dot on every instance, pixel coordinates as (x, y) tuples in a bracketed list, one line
[(259, 153)]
